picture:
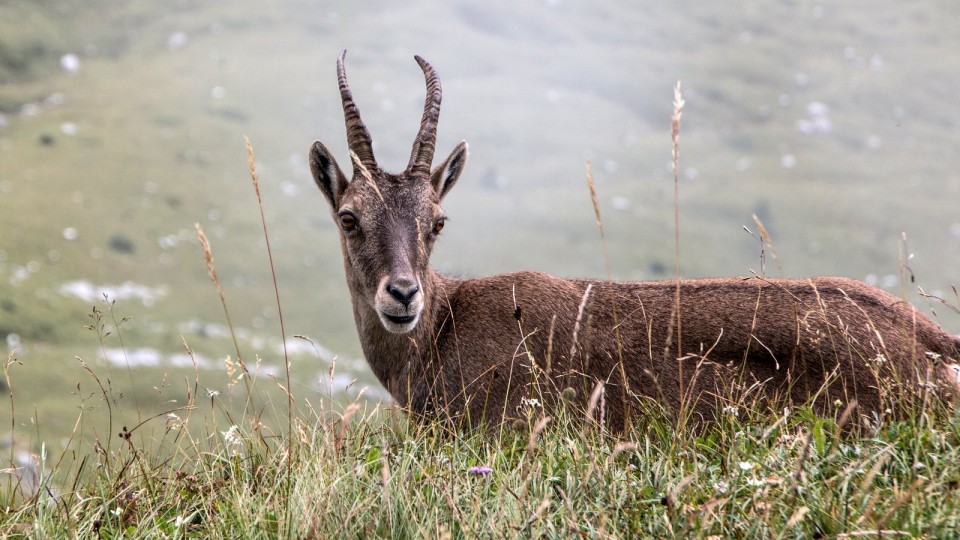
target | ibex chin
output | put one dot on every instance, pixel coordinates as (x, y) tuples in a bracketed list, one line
[(480, 349)]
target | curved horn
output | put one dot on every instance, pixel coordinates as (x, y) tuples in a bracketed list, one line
[(421, 158), (358, 137)]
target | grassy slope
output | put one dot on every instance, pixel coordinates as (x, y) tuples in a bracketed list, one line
[(356, 472), (155, 152)]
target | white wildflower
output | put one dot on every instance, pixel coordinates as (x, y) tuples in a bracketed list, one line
[(756, 482), (232, 435), (174, 421), (531, 404), (233, 440), (731, 410), (746, 466)]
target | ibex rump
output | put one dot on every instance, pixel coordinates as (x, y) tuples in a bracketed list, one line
[(476, 348)]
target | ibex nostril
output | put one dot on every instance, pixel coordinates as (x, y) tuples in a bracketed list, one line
[(403, 291)]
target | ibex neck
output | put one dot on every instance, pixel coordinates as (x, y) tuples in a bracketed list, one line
[(401, 361)]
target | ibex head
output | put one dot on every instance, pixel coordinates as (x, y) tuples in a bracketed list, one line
[(388, 222)]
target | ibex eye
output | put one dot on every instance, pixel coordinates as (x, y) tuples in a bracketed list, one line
[(348, 221), (438, 226)]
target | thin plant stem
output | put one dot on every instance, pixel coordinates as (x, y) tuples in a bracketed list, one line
[(11, 359), (251, 162), (212, 271), (675, 134), (616, 323), (276, 288)]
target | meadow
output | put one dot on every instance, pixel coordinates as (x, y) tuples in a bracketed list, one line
[(356, 470), (149, 413)]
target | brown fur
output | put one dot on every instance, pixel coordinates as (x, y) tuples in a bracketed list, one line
[(476, 348)]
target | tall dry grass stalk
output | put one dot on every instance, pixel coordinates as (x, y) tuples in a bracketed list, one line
[(904, 257), (251, 162), (627, 393), (675, 154), (596, 212), (767, 243), (288, 388), (212, 272), (11, 359), (675, 135)]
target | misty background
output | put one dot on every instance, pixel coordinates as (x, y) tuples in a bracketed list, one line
[(122, 125)]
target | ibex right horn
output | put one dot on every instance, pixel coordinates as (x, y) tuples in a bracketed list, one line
[(421, 158)]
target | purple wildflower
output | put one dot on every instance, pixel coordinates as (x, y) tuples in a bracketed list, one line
[(480, 471)]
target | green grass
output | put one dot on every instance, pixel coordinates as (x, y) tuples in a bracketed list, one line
[(359, 470)]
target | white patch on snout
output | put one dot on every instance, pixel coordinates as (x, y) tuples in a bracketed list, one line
[(389, 309)]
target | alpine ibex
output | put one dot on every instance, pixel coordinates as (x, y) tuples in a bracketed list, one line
[(476, 349)]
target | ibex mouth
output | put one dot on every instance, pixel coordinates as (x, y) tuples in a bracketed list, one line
[(399, 324), (405, 319)]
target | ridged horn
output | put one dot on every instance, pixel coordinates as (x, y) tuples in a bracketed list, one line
[(358, 137), (421, 158)]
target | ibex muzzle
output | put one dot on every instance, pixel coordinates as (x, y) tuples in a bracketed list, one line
[(478, 349)]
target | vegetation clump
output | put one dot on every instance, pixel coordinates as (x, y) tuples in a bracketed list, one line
[(360, 470)]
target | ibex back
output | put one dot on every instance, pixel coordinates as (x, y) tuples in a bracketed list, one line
[(474, 349)]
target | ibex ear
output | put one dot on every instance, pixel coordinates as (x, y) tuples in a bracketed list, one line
[(445, 175), (327, 174)]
